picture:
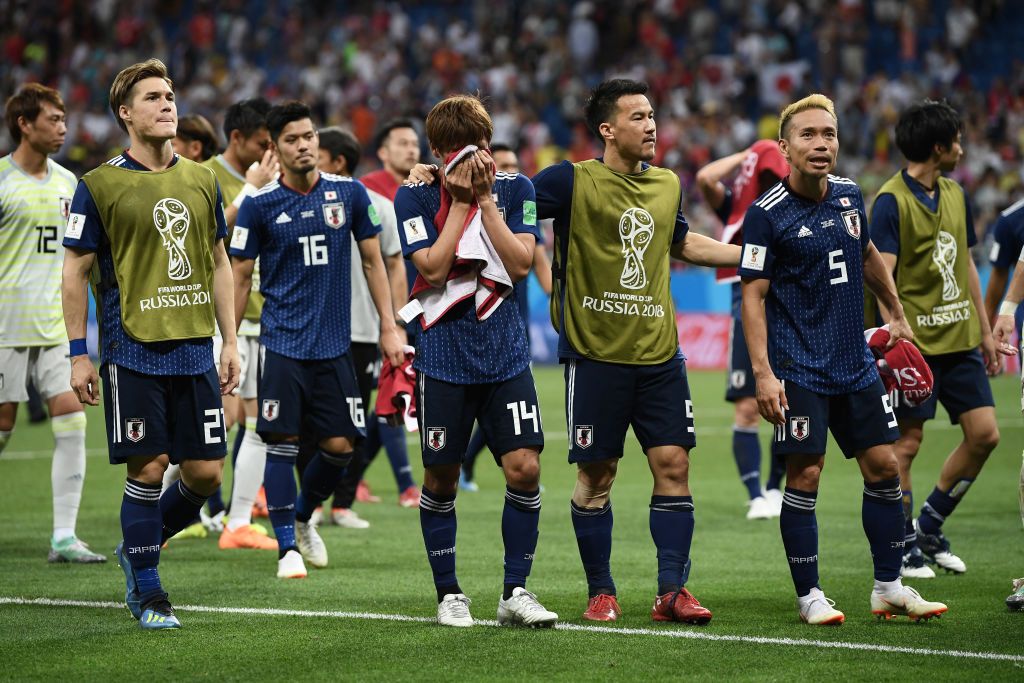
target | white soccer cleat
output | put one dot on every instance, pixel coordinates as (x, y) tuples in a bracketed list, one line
[(817, 610), (291, 566), (453, 610), (317, 518), (774, 497), (914, 566), (310, 544), (935, 548), (523, 609), (760, 508), (904, 601), (348, 518)]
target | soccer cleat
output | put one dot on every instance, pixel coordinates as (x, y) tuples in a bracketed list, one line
[(523, 609), (310, 544), (131, 587), (196, 530), (1015, 601), (453, 610), (904, 600), (760, 508), (245, 537), (317, 518), (291, 566), (259, 506), (71, 549), (817, 610), (410, 498), (935, 548), (602, 607), (680, 606), (214, 524), (467, 484), (159, 615), (364, 494), (914, 566), (774, 497), (348, 519)]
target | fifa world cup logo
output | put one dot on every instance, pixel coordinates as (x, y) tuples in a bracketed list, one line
[(636, 228), (171, 218), (944, 256)]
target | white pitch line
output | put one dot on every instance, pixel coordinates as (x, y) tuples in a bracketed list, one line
[(664, 633)]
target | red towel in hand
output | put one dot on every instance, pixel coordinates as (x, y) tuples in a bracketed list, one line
[(901, 367), (396, 392)]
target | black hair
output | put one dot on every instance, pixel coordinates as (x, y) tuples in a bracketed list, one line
[(247, 117), (385, 130), (601, 104), (501, 147), (281, 115), (925, 124), (341, 143)]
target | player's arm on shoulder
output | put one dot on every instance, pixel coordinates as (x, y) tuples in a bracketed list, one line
[(702, 250), (709, 178)]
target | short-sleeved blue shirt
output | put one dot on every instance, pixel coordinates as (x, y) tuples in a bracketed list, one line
[(554, 187), (305, 250), (813, 253), (178, 357), (461, 349), (885, 216), (1008, 245)]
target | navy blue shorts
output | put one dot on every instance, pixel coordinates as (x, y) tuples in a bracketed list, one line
[(602, 400), (320, 395), (180, 415), (741, 372), (857, 421), (961, 384), (507, 412)]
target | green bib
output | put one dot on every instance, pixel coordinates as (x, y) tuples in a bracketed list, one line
[(617, 294), (162, 229), (230, 185), (932, 268)]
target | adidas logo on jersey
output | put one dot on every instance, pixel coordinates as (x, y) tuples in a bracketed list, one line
[(283, 218), (804, 231)]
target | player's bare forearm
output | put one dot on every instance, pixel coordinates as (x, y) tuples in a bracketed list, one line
[(974, 282), (771, 397), (709, 178), (223, 294), (997, 280), (878, 278), (74, 297), (395, 265), (701, 250), (241, 270), (542, 268), (514, 250), (391, 337)]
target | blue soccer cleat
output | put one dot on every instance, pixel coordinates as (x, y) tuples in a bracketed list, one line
[(131, 592), (159, 615)]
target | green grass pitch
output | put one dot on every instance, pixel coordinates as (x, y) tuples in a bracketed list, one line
[(333, 624)]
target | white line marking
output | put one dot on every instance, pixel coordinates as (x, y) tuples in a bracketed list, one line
[(665, 633)]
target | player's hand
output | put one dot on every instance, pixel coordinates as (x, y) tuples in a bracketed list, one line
[(459, 182), (899, 328), (84, 380), (392, 346), (483, 175), (771, 400), (990, 355), (264, 171), (1002, 332), (423, 173), (230, 368)]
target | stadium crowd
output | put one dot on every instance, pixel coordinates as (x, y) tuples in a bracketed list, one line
[(719, 71)]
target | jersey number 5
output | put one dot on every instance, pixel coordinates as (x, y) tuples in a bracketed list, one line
[(835, 262)]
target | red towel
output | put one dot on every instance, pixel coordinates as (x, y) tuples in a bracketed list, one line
[(396, 392), (901, 367)]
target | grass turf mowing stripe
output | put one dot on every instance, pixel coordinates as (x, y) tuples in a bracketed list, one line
[(665, 633)]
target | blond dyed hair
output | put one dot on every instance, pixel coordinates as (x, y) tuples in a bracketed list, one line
[(458, 121), (815, 101), (121, 88)]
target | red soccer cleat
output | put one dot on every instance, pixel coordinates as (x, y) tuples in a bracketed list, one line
[(682, 607), (364, 494), (602, 607), (259, 506), (409, 498)]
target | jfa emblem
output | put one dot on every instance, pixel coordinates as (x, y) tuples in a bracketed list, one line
[(852, 220), (271, 409), (799, 427), (584, 435), (334, 215), (65, 207), (135, 429), (436, 438)]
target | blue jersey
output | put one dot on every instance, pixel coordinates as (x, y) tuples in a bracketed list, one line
[(1008, 247), (554, 187), (178, 357), (305, 250), (461, 349), (813, 253)]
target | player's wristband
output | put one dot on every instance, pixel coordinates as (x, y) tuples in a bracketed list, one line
[(79, 348), (247, 191), (1008, 308)]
